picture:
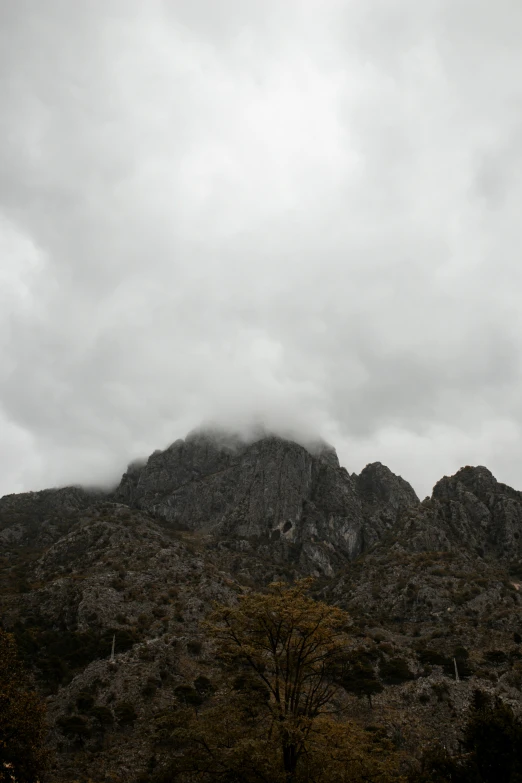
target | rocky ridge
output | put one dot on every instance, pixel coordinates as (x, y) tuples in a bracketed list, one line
[(298, 503), (213, 516)]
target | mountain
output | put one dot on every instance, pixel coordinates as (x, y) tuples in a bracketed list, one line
[(429, 586), (470, 511), (292, 502)]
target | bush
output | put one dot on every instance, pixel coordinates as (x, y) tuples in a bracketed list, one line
[(492, 744), (432, 658), (103, 715), (194, 647), (84, 702), (74, 726), (441, 690), (125, 713), (203, 685), (56, 654), (495, 656), (395, 671), (23, 725), (188, 695), (151, 686), (148, 690)]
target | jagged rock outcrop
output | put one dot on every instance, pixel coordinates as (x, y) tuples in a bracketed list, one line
[(297, 502), (470, 511), (383, 497)]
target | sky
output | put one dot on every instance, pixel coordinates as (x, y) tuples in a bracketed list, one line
[(305, 213)]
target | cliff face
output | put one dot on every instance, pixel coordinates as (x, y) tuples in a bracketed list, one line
[(470, 511), (289, 498), (384, 496)]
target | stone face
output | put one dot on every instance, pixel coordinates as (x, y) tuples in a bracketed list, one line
[(383, 496), (38, 518), (471, 511), (298, 499)]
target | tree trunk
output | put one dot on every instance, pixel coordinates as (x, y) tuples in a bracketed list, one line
[(289, 762)]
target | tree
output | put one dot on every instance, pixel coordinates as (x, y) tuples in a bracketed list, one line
[(23, 729), (493, 740), (289, 643), (491, 745), (274, 716), (359, 678)]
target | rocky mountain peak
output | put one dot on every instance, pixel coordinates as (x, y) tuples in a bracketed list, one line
[(478, 480), (296, 498), (377, 483), (472, 512), (384, 496)]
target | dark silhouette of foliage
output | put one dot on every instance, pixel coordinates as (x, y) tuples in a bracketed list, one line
[(74, 726), (395, 671), (188, 695), (125, 713), (56, 655), (23, 729), (362, 681), (493, 740), (355, 673), (103, 715), (491, 748)]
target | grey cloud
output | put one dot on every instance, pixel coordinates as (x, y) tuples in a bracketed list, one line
[(297, 213)]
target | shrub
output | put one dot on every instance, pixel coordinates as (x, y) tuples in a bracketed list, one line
[(74, 726), (84, 702), (395, 671), (148, 690), (203, 686), (103, 715), (194, 647), (432, 657), (188, 695), (441, 690), (125, 713), (495, 656)]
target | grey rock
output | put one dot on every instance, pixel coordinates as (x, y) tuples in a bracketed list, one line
[(296, 501), (470, 510), (39, 518), (384, 496)]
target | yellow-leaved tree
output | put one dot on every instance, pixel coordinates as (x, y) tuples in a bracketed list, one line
[(290, 643), (272, 717)]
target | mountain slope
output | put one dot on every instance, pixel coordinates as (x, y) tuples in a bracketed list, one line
[(214, 516)]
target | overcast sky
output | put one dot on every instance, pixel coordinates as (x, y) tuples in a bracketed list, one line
[(302, 212)]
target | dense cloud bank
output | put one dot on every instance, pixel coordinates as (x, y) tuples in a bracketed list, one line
[(301, 214)]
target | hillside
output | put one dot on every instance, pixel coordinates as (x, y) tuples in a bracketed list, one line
[(432, 588)]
